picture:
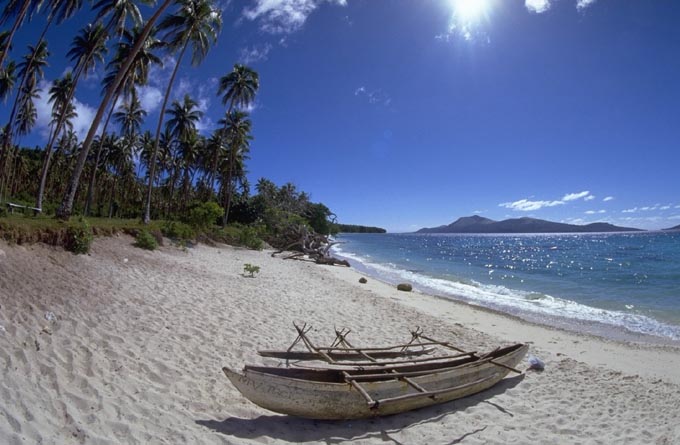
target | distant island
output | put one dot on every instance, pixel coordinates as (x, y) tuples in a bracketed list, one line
[(479, 224), (671, 229), (352, 228)]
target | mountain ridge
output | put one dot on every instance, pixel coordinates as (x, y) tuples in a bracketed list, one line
[(480, 224)]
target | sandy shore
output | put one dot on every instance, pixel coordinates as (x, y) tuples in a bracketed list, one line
[(125, 346)]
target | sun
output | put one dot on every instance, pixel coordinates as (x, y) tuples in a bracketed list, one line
[(470, 11)]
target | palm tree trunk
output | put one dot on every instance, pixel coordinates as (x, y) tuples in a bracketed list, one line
[(55, 135), (93, 176), (66, 208), (15, 26), (152, 164)]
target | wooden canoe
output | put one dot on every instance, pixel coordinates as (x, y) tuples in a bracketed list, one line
[(340, 354), (342, 394)]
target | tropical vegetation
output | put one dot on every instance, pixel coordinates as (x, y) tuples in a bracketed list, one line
[(194, 183)]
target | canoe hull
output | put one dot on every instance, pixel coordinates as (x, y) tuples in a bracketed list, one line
[(323, 400)]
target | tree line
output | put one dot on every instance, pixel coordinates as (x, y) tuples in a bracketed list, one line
[(99, 175)]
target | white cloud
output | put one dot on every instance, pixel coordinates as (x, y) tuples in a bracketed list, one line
[(524, 205), (664, 207), (150, 97), (255, 53), (574, 196), (374, 96), (537, 6), (81, 122), (608, 198), (595, 212), (527, 205), (284, 16), (633, 210), (583, 4)]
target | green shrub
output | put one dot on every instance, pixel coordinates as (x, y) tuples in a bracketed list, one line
[(178, 231), (145, 240), (250, 269), (250, 238), (204, 215), (79, 236)]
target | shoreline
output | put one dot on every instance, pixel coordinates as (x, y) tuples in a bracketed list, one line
[(593, 328), (650, 359), (126, 346)]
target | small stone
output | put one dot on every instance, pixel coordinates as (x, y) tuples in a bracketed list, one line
[(49, 316), (363, 280), (404, 287)]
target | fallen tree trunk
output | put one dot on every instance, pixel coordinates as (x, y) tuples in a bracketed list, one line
[(311, 246)]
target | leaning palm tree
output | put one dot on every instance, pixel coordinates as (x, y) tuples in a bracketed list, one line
[(237, 132), (66, 208), (88, 48), (197, 22), (137, 74), (18, 9), (118, 12), (239, 88)]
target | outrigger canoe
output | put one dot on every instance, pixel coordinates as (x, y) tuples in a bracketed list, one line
[(351, 391)]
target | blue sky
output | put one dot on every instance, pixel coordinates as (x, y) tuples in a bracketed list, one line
[(404, 114)]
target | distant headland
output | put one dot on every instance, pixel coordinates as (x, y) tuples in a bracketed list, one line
[(479, 224)]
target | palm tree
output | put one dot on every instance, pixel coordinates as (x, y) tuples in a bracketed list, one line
[(88, 48), (17, 9), (7, 79), (239, 88), (66, 207), (31, 71), (62, 111), (182, 126), (130, 117), (120, 11), (137, 74), (237, 131), (196, 23)]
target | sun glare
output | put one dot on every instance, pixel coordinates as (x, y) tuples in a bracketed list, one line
[(470, 10)]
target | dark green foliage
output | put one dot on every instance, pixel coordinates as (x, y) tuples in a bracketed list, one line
[(203, 215), (351, 228), (178, 231), (250, 238), (318, 216), (79, 236), (146, 241), (250, 269)]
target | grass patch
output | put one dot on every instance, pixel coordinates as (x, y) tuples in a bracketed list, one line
[(73, 235)]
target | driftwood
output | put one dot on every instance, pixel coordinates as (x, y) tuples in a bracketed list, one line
[(309, 245)]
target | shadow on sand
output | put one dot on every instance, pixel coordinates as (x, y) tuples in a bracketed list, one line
[(294, 429)]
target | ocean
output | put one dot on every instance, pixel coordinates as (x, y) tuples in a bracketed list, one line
[(616, 285)]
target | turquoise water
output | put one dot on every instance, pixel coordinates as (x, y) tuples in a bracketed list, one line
[(626, 283)]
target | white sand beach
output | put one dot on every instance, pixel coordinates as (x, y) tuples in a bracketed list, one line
[(126, 346)]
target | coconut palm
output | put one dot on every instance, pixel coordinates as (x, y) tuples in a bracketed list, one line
[(19, 9), (197, 22), (182, 126), (66, 207), (137, 74), (31, 71), (88, 48), (130, 117), (119, 12), (237, 129), (238, 88), (7, 79)]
